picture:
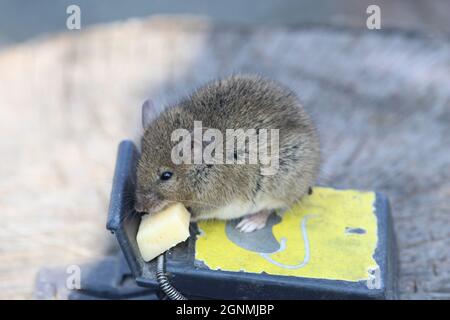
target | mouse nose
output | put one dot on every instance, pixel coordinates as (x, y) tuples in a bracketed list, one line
[(147, 202), (138, 207), (139, 204)]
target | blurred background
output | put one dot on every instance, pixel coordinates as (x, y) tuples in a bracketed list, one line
[(381, 100)]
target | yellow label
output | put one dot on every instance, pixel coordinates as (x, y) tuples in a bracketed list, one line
[(331, 234)]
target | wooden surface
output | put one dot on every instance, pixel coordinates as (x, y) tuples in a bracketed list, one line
[(381, 101)]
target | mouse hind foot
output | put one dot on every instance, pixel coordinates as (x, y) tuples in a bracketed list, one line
[(253, 222)]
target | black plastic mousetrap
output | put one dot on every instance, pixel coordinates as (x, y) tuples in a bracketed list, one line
[(336, 244)]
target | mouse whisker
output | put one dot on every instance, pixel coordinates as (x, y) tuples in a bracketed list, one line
[(193, 201)]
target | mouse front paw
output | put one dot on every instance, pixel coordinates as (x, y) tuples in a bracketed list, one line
[(253, 222)]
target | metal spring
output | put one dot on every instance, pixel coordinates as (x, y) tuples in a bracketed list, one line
[(164, 284)]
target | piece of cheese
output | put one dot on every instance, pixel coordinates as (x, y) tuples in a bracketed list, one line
[(161, 231)]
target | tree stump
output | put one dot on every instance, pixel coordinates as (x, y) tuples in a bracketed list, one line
[(381, 101)]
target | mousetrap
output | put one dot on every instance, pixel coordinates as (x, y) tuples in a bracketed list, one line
[(335, 244)]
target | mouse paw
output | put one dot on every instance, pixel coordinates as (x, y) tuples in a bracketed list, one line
[(253, 222)]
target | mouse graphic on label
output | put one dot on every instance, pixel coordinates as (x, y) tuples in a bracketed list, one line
[(264, 242)]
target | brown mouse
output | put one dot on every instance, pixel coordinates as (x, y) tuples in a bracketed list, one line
[(225, 190)]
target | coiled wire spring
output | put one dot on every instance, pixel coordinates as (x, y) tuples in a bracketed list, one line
[(164, 284)]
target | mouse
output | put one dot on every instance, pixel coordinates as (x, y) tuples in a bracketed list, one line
[(238, 184)]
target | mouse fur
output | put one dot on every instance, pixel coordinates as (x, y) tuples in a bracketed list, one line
[(225, 191)]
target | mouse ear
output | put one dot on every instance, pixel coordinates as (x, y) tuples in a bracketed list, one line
[(149, 113)]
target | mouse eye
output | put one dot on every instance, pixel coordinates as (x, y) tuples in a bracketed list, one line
[(166, 175)]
